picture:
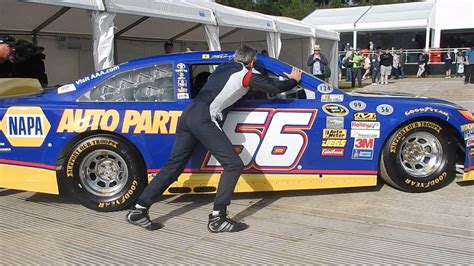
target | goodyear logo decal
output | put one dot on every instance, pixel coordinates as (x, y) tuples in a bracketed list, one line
[(131, 121), (25, 126)]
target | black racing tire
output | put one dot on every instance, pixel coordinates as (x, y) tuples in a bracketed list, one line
[(419, 157), (104, 173)]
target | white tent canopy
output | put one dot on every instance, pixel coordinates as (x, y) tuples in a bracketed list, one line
[(337, 19), (135, 27), (397, 16)]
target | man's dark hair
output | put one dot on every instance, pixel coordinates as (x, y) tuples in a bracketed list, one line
[(169, 44), (244, 55)]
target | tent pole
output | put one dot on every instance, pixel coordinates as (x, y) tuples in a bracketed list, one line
[(427, 41)]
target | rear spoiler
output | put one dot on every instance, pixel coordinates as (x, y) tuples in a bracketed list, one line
[(11, 87)]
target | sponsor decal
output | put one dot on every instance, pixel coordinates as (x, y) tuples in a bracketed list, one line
[(223, 56), (471, 152), (402, 132), (470, 142), (335, 122), (5, 149), (182, 90), (361, 143), (469, 134), (183, 96), (426, 110), (181, 75), (205, 56), (366, 134), (357, 105), (325, 88), (427, 184), (182, 83), (467, 127), (96, 75), (385, 109), (365, 125), (335, 110), (334, 143), (136, 122), (66, 88), (332, 98), (332, 152), (25, 126), (334, 133), (363, 116), (180, 68), (360, 154)]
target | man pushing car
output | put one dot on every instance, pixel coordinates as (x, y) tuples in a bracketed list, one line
[(199, 123)]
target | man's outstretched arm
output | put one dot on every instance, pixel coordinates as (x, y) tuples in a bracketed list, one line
[(272, 85)]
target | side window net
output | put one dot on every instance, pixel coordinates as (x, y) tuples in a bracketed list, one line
[(150, 84)]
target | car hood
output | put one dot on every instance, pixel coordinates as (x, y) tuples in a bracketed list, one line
[(403, 97)]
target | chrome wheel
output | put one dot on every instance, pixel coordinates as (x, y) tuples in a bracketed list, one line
[(103, 173), (421, 154)]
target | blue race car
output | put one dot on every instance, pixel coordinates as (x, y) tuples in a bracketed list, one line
[(101, 136)]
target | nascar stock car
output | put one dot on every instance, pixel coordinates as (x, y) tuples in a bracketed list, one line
[(102, 136)]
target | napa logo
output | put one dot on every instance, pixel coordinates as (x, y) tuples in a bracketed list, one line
[(25, 126)]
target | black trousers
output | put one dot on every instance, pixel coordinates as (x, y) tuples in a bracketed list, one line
[(195, 126), (356, 73), (469, 74)]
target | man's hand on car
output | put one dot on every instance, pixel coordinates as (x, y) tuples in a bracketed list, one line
[(295, 74)]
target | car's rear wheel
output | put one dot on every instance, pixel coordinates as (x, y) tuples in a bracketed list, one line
[(104, 173), (419, 157)]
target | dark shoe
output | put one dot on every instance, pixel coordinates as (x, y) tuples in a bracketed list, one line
[(140, 218), (222, 223)]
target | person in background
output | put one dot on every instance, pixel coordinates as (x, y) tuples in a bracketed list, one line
[(366, 64), (401, 66), (426, 54), (421, 64), (386, 62), (347, 64), (371, 46), (375, 65), (459, 64), (7, 47), (340, 66), (469, 66), (317, 61), (169, 47), (356, 61), (448, 62), (396, 63)]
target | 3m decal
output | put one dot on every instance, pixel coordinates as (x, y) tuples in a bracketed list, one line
[(332, 152), (334, 133), (385, 109), (362, 116), (332, 98), (365, 125), (25, 126), (357, 105), (335, 122), (325, 88), (334, 143), (335, 110), (360, 143), (275, 139), (426, 110), (402, 132), (146, 121)]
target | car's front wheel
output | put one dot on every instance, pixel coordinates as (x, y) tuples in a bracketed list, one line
[(419, 157), (104, 173)]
